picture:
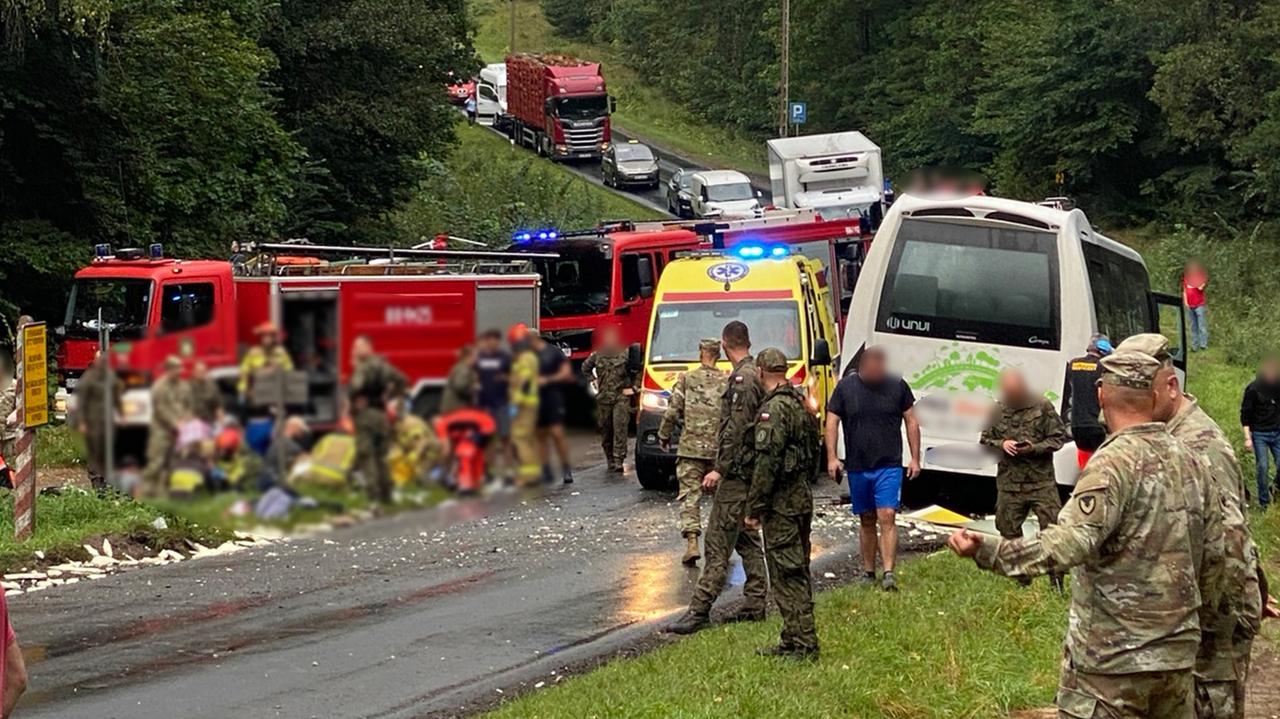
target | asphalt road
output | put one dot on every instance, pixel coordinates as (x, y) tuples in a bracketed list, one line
[(418, 614), (667, 164)]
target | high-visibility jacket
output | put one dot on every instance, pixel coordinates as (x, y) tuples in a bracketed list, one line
[(524, 379), (257, 359)]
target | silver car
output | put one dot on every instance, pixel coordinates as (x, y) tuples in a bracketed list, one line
[(629, 164)]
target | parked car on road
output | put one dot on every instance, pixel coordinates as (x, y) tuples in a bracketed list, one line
[(631, 163), (679, 201), (723, 194)]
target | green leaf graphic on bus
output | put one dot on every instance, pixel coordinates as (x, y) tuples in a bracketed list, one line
[(961, 369)]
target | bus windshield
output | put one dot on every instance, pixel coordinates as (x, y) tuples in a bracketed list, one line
[(977, 283), (679, 325), (124, 303), (576, 283)]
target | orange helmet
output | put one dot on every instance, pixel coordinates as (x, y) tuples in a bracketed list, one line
[(228, 440), (266, 328), (518, 333)]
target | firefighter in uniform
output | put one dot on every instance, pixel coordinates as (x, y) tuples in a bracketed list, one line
[(91, 408), (1080, 398), (1026, 431), (730, 478), (170, 406), (695, 404), (374, 384), (523, 385), (267, 354), (615, 386), (780, 502)]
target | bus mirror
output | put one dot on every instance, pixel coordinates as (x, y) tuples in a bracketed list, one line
[(821, 356)]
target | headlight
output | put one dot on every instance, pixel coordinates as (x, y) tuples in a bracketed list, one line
[(132, 408), (654, 399)]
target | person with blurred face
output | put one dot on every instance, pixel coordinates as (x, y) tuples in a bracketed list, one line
[(873, 406), (268, 354), (615, 383), (1194, 281), (374, 386), (170, 406), (493, 370), (1080, 398), (1260, 417)]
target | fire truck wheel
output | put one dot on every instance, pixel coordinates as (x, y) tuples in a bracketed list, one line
[(654, 474)]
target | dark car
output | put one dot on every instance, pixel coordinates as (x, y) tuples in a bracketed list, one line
[(679, 201), (629, 164)]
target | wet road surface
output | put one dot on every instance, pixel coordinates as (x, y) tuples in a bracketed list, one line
[(400, 617)]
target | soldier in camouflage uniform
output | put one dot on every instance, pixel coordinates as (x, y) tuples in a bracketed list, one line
[(170, 406), (695, 405), (374, 384), (1026, 430), (206, 398), (1227, 640), (91, 417), (1133, 632), (780, 502), (615, 387), (730, 478)]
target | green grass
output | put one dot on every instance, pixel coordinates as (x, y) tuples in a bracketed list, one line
[(643, 109), (58, 446), (66, 521), (955, 642)]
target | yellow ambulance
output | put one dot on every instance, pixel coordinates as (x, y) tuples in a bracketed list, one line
[(784, 300)]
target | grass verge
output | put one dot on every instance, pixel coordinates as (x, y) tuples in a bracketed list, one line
[(58, 446), (66, 521), (642, 109), (955, 642)]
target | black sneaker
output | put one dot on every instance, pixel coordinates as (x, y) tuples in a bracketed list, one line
[(889, 582), (689, 622), (568, 477), (866, 579)]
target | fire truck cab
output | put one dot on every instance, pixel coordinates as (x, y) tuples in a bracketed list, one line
[(417, 306)]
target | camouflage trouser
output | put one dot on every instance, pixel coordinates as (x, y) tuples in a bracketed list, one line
[(1168, 695), (524, 439), (1014, 503), (8, 451), (1244, 657), (373, 439), (787, 548), (689, 474), (614, 419), (95, 450), (1219, 700), (155, 476), (725, 533)]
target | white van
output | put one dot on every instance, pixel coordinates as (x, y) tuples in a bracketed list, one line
[(723, 194), (491, 94), (959, 289)]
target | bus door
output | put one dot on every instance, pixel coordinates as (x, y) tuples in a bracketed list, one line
[(822, 376), (1171, 321)]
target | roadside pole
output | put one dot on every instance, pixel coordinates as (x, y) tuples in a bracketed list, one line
[(32, 395), (784, 89), (109, 406)]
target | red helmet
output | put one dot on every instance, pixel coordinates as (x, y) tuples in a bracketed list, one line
[(518, 333), (228, 440)]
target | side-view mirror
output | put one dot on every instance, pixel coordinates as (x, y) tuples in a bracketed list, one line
[(613, 104), (550, 105), (635, 358), (759, 195), (644, 266), (821, 355), (60, 331)]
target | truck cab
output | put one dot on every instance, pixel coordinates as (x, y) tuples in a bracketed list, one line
[(491, 95), (783, 300), (723, 194), (558, 106)]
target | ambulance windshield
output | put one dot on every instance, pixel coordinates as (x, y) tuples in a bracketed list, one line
[(679, 325), (124, 303)]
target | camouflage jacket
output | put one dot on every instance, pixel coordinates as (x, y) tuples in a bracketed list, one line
[(91, 395), (695, 403), (375, 381), (739, 404), (170, 403), (1237, 615), (1126, 527), (9, 402), (206, 399), (779, 483), (459, 387), (612, 375), (1037, 423)]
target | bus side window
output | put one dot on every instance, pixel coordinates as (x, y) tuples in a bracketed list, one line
[(1119, 286)]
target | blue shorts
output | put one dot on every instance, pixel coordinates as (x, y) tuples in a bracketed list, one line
[(875, 489)]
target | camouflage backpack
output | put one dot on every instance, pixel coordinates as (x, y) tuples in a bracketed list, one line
[(806, 455)]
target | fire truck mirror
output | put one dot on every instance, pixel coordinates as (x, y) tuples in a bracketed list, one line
[(635, 358)]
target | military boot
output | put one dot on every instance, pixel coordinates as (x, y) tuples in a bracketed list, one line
[(691, 553), (790, 651), (746, 614), (690, 622)]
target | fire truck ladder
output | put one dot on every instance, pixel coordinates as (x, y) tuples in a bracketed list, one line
[(279, 258)]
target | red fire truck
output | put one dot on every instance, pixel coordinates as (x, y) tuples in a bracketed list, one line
[(607, 275), (417, 306), (558, 106)]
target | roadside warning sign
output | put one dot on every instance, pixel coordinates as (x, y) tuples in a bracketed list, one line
[(35, 376)]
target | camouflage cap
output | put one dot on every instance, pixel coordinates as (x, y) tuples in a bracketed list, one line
[(173, 362), (771, 359), (1150, 344), (709, 345), (1126, 368)]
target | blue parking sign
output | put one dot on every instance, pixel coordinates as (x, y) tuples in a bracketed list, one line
[(798, 112)]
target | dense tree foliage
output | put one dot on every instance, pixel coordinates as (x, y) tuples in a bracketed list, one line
[(196, 123), (1148, 109)]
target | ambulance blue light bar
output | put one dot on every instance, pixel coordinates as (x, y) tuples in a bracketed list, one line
[(753, 251), (531, 235)]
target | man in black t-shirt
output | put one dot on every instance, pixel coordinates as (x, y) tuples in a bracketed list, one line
[(493, 365), (1080, 398), (554, 373), (872, 406)]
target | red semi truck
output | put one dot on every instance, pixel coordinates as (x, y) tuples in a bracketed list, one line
[(417, 306), (558, 106)]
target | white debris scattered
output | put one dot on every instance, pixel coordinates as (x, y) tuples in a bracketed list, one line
[(106, 549), (828, 575), (159, 523)]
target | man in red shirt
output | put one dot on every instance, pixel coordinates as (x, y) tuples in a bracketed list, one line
[(13, 678), (1194, 279)]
